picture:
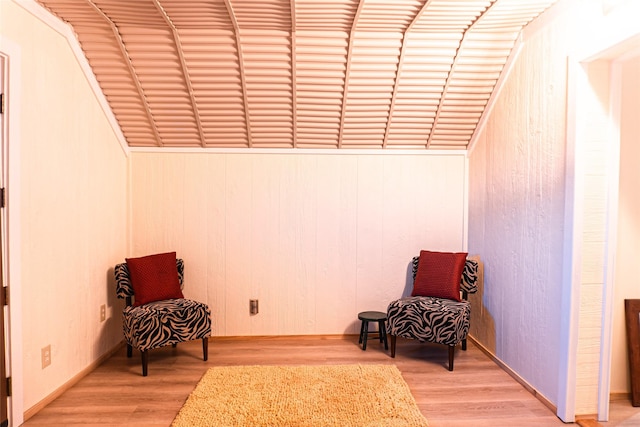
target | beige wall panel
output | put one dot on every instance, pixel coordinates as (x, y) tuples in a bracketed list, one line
[(591, 306), (242, 259), (585, 389), (265, 258), (73, 191), (214, 257), (626, 272), (593, 140), (337, 236), (195, 193), (370, 222), (315, 238), (593, 263)]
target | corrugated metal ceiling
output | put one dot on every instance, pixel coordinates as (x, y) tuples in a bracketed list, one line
[(397, 74)]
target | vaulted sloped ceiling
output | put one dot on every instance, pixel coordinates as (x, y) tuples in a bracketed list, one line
[(396, 74)]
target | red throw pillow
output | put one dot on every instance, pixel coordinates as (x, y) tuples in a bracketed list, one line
[(439, 274), (154, 278)]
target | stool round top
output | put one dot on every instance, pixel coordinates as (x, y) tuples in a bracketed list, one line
[(372, 315)]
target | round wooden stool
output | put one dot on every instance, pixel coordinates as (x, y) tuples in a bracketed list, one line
[(373, 316)]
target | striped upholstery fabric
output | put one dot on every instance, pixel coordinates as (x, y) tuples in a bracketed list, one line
[(429, 319), (160, 323)]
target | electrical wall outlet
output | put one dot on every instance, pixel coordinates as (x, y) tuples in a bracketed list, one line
[(253, 306), (103, 313), (46, 356)]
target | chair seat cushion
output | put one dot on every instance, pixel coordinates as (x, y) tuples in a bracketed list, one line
[(429, 319), (161, 323)]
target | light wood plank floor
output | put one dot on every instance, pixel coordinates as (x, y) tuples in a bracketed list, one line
[(477, 393)]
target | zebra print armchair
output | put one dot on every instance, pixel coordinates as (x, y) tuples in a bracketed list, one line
[(430, 319), (159, 323)]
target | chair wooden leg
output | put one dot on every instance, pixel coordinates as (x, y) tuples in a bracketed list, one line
[(205, 348), (145, 362), (464, 344), (451, 351), (393, 345), (129, 350)]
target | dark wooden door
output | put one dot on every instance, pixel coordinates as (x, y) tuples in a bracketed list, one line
[(632, 318)]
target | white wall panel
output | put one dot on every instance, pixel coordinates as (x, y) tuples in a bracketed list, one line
[(315, 238), (517, 183), (516, 208)]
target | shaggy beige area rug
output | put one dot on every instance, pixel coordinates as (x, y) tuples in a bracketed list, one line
[(301, 396)]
